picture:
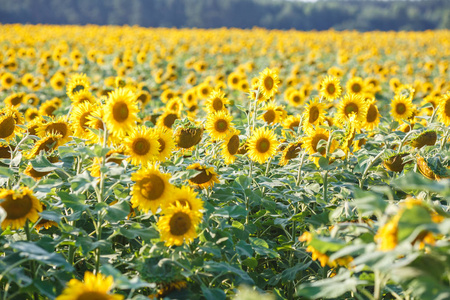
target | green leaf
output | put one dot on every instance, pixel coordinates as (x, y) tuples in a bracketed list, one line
[(118, 211), (222, 267), (416, 182), (213, 294), (244, 181), (76, 202), (135, 231), (326, 244), (368, 202), (34, 252), (262, 248), (235, 211), (42, 164), (244, 249), (6, 172), (250, 262), (290, 274), (82, 182), (411, 219)]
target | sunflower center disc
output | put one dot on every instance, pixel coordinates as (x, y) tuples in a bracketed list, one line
[(77, 88), (400, 108), (350, 108), (141, 146), (296, 99), (356, 88), (269, 116), (162, 145), (201, 178), (93, 296), (7, 127), (120, 112), (371, 113), (152, 187), (263, 145), (184, 202), (313, 114), (331, 89), (447, 109), (217, 104), (179, 223), (233, 145), (268, 83), (19, 208), (169, 120), (58, 128), (221, 126)]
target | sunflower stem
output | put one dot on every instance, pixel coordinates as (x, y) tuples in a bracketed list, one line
[(433, 115), (325, 186), (363, 177), (444, 140), (404, 140), (14, 154), (32, 262), (299, 173)]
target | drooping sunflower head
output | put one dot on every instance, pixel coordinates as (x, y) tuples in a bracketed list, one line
[(352, 104), (444, 109), (188, 136), (432, 168), (205, 178), (178, 224), (94, 287), (268, 83), (230, 146), (330, 88), (271, 115), (314, 114), (120, 111), (152, 188), (395, 162), (290, 152), (47, 144), (401, 107), (373, 116), (20, 205), (262, 145), (426, 138), (216, 102), (9, 119), (77, 83), (142, 145), (79, 119), (218, 125), (56, 126)]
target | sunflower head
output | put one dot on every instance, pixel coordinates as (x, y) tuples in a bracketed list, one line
[(395, 162), (314, 114), (218, 125), (355, 86), (268, 83), (272, 113), (230, 147), (330, 88), (77, 83), (426, 138), (372, 117), (47, 144), (142, 145), (216, 102), (205, 178), (167, 119), (352, 104), (290, 152), (401, 107), (120, 111), (432, 168), (58, 127), (262, 145), (444, 109), (20, 205)]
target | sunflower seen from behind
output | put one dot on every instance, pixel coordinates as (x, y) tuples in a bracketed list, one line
[(268, 83), (151, 188), (94, 287), (142, 145), (330, 88), (262, 145), (20, 205), (120, 111)]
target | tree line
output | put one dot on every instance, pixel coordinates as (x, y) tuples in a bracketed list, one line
[(273, 14)]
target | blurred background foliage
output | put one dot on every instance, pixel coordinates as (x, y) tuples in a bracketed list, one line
[(362, 15)]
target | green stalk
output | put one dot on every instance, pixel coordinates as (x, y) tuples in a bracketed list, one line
[(32, 263), (363, 177), (297, 182), (444, 140), (325, 186), (404, 140)]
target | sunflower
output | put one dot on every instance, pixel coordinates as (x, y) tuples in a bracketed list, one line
[(77, 83), (254, 92), (271, 113), (426, 138), (394, 83), (58, 81), (5, 150), (31, 99), (8, 128), (49, 107), (230, 147), (175, 105), (312, 140), (79, 119), (330, 88), (401, 107), (190, 98), (120, 111), (14, 99), (178, 224), (291, 151), (48, 143), (268, 83), (143, 97), (186, 138), (186, 196), (292, 122), (110, 158), (355, 86), (205, 178), (295, 98), (152, 188), (373, 116), (444, 109), (352, 104), (93, 287), (167, 119), (94, 121), (7, 80), (216, 102), (314, 114), (233, 80), (82, 97), (58, 126), (166, 143), (395, 162), (219, 124), (20, 205), (262, 145), (142, 145)]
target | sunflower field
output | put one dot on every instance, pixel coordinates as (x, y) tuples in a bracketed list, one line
[(140, 163)]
